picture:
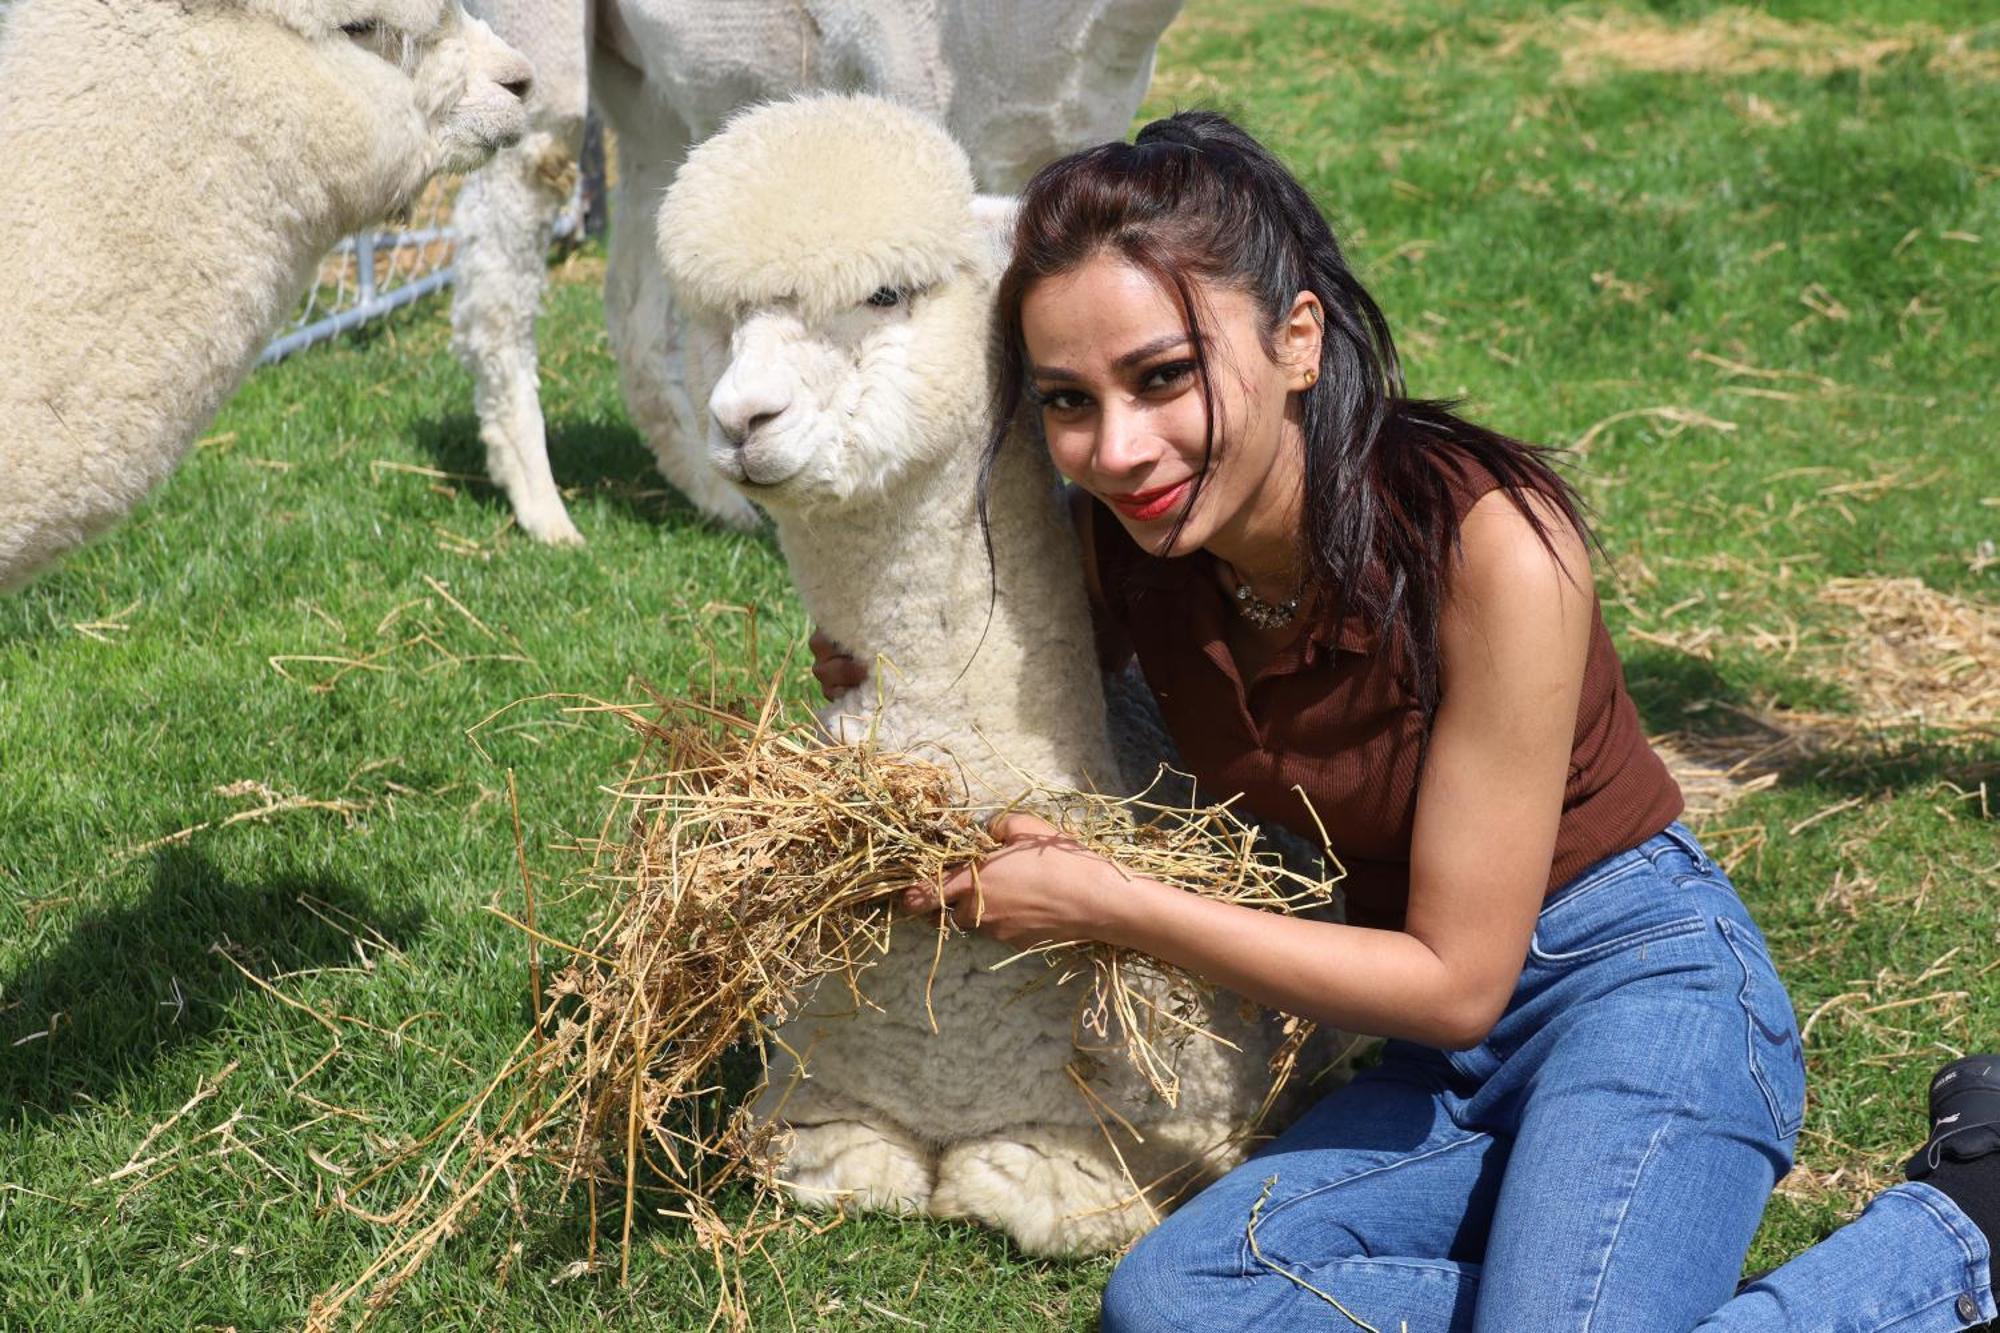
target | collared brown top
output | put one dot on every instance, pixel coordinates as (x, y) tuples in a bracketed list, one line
[(1335, 716)]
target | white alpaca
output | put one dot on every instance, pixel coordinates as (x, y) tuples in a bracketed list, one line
[(1018, 84), (834, 247), (171, 171)]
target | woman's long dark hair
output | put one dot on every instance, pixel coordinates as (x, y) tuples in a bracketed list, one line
[(1196, 199)]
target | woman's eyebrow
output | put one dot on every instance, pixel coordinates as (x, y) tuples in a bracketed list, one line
[(1147, 351), (1143, 352)]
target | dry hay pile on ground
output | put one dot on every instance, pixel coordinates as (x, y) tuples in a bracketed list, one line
[(1917, 656), (1741, 41), (745, 862), (1912, 659)]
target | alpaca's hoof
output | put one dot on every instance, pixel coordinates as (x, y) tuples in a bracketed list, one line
[(845, 1163), (551, 527)]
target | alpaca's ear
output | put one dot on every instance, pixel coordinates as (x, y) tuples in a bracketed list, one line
[(994, 215)]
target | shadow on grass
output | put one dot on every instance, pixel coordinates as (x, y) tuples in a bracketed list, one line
[(1676, 691), (607, 460), (1903, 763), (135, 983), (1724, 724)]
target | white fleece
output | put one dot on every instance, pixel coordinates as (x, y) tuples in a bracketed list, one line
[(171, 171), (859, 428)]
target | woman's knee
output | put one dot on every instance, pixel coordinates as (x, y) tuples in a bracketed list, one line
[(1168, 1280), (1128, 1304)]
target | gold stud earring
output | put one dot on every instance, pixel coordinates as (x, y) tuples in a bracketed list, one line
[(1312, 376)]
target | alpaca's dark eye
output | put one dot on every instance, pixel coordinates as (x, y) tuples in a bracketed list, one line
[(886, 297), (363, 28)]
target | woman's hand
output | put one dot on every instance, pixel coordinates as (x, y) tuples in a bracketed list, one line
[(1039, 885), (836, 672)]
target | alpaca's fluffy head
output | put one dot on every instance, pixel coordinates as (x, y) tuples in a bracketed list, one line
[(465, 84), (837, 273)]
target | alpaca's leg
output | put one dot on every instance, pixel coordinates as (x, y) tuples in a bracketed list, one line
[(504, 215), (662, 390), (836, 1153), (856, 1164), (1061, 1189)]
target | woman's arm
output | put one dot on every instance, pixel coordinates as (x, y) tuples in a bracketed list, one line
[(1513, 639)]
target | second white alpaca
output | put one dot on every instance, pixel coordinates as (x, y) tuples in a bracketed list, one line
[(1018, 83), (170, 175), (839, 275)]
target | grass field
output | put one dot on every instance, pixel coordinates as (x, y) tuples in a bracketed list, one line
[(1745, 260)]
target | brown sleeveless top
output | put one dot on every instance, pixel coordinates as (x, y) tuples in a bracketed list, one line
[(1335, 715)]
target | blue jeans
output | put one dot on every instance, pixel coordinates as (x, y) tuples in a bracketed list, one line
[(1600, 1162)]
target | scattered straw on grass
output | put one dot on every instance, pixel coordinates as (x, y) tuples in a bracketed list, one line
[(1715, 773), (425, 634), (745, 862), (1677, 418), (1832, 1173), (274, 804)]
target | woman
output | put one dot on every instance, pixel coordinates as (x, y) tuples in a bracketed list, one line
[(1358, 608)]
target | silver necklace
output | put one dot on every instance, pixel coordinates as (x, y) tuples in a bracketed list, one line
[(1262, 614)]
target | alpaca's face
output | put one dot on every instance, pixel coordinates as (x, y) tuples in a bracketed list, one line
[(427, 58), (813, 412), (834, 271)]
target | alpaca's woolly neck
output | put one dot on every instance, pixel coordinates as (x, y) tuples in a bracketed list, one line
[(167, 182), (1009, 692)]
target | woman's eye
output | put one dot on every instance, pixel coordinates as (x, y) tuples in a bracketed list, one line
[(885, 298), (1163, 377), (1060, 400)]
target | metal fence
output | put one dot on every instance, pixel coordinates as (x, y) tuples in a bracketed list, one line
[(374, 272)]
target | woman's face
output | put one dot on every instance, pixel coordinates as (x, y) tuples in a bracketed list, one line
[(1110, 364)]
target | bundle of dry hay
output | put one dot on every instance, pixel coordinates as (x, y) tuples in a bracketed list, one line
[(752, 862)]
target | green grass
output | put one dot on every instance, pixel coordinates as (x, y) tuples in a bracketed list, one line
[(1555, 250)]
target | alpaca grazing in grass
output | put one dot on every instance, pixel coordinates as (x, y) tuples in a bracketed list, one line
[(1019, 84), (171, 173), (838, 273)]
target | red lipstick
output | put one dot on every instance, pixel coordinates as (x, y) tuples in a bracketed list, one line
[(1154, 503)]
